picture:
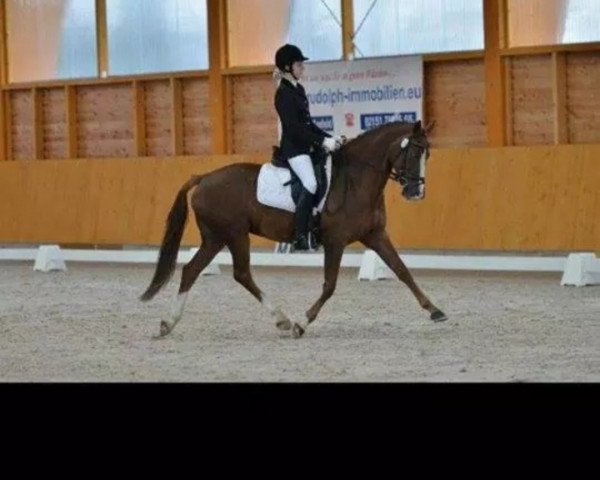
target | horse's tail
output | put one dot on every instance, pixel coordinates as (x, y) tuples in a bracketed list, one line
[(167, 257)]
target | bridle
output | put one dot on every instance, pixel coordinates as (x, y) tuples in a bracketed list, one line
[(402, 176)]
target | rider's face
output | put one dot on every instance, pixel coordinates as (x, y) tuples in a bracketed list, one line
[(298, 69)]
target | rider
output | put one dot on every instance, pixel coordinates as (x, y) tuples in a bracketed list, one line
[(300, 136)]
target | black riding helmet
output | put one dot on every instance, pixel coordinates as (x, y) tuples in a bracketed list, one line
[(287, 55)]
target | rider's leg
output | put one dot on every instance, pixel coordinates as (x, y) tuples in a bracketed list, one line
[(303, 167)]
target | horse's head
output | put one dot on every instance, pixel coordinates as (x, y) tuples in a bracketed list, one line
[(408, 156)]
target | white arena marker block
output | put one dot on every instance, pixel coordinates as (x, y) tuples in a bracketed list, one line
[(581, 269), (211, 269), (373, 268), (49, 258)]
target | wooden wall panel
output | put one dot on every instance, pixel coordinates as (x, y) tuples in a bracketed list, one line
[(196, 117), (583, 97), (21, 123), (55, 125), (254, 117), (455, 100), (158, 118), (98, 201), (532, 101), (517, 198), (499, 199), (104, 121)]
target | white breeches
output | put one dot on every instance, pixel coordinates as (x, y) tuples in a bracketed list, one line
[(303, 167)]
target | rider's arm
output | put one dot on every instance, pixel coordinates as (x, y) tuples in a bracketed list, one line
[(315, 128), (300, 133)]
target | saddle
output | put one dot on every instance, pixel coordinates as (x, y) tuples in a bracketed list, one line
[(319, 158)]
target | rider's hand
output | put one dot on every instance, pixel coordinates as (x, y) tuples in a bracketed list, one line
[(341, 139), (330, 144)]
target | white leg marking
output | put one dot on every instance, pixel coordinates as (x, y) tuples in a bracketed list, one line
[(267, 304), (179, 306), (281, 320)]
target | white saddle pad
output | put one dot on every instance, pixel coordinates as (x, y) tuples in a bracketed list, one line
[(270, 190)]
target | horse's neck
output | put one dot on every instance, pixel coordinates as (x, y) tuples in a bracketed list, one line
[(370, 163), (362, 179)]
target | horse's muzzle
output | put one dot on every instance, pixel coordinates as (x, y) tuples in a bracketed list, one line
[(414, 192)]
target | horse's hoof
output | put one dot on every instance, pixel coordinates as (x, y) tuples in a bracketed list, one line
[(165, 329), (439, 316), (283, 324), (297, 331), (310, 317)]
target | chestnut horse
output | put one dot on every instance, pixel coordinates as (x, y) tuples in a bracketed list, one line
[(224, 203)]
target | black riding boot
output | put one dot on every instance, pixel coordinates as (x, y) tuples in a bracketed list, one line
[(304, 208)]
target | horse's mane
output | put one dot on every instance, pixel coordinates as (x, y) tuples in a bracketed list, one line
[(378, 130), (368, 134)]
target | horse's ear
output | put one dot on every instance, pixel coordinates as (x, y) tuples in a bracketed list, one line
[(417, 127), (429, 127)]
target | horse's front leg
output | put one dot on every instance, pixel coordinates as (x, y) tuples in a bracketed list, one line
[(333, 258), (379, 241)]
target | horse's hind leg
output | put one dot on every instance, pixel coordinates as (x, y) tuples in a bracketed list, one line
[(209, 248), (380, 243), (240, 251)]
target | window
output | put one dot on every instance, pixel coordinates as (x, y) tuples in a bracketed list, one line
[(549, 22), (147, 36), (257, 28), (51, 39), (582, 23), (400, 27), (316, 27)]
